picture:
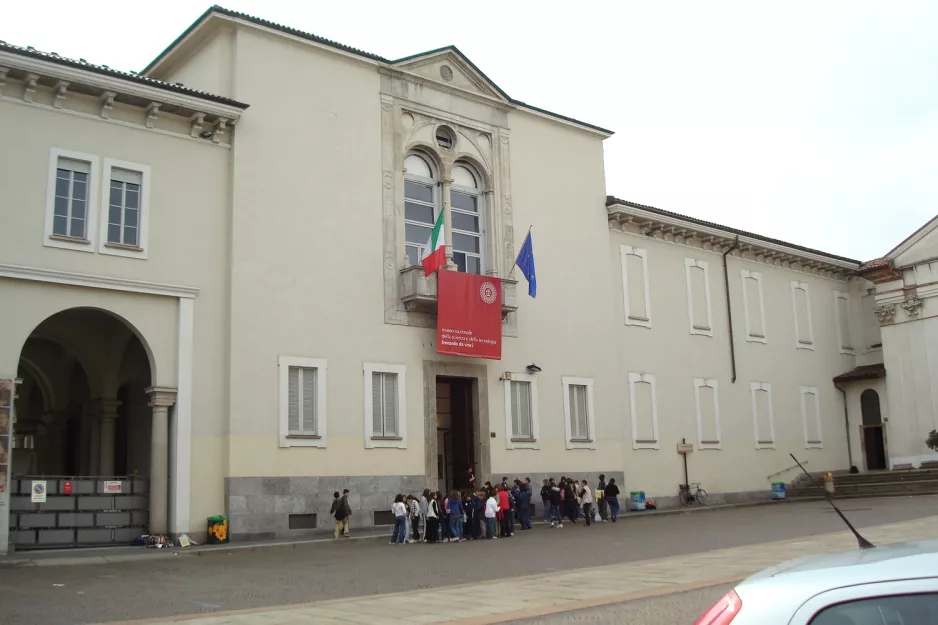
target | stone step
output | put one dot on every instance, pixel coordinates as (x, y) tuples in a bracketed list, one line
[(917, 488), (878, 477)]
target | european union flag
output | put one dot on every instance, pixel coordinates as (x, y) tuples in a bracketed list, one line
[(525, 263)]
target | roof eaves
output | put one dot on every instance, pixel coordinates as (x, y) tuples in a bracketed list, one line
[(355, 51), (612, 201), (103, 70)]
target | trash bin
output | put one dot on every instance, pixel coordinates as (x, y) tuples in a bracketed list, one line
[(218, 529), (778, 490), (638, 499)]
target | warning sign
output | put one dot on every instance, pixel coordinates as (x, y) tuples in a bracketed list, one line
[(39, 491), (112, 487)]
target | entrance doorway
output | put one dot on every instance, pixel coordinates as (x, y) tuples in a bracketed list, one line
[(83, 429), (872, 432), (455, 432)]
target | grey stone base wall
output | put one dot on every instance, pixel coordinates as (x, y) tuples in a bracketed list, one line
[(259, 508)]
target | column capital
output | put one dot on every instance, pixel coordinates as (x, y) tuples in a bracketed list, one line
[(161, 396), (107, 407)]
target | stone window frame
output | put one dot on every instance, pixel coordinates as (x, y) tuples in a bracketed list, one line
[(377, 442), (496, 196), (624, 252), (761, 442), (50, 239), (843, 299), (511, 440), (644, 378), (590, 441), (694, 263), (802, 286), (803, 392), (713, 384), (745, 275), (141, 249), (317, 439)]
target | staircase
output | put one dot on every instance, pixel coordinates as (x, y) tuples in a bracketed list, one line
[(905, 482)]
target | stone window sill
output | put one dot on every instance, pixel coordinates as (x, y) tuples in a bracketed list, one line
[(387, 438), (121, 246), (646, 442), (589, 440), (314, 437), (709, 442), (67, 239), (523, 440)]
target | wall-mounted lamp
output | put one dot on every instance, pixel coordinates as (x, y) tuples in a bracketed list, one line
[(533, 368), (207, 134)]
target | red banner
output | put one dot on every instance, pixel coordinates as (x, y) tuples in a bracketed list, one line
[(469, 315)]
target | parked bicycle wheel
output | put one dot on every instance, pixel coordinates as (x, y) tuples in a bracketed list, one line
[(701, 496), (686, 497)]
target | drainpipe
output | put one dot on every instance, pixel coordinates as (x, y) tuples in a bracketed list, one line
[(729, 309), (846, 426)]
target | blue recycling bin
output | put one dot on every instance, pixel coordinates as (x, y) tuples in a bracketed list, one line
[(778, 490), (638, 499)]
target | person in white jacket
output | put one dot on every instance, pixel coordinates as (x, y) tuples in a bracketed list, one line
[(491, 511), (586, 499)]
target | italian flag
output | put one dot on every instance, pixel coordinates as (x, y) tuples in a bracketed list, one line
[(434, 256)]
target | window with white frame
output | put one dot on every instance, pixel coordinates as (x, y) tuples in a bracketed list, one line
[(707, 401), (385, 406), (466, 214), (125, 209), (644, 406), (763, 418), (302, 402), (700, 317), (70, 200), (753, 306), (579, 419), (842, 315), (801, 308), (421, 204), (811, 417), (521, 420), (635, 286)]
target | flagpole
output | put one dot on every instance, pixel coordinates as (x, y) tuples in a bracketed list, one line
[(515, 264)]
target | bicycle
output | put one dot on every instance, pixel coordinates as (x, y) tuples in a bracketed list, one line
[(692, 493)]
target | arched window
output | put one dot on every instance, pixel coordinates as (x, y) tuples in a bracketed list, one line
[(420, 204), (465, 205)]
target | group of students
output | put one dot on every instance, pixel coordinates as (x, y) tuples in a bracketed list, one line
[(491, 511)]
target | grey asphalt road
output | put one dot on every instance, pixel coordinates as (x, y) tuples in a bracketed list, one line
[(248, 579), (676, 609)]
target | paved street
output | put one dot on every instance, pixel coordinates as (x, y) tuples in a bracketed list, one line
[(227, 581), (675, 609)]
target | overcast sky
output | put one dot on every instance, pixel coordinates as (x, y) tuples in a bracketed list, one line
[(812, 122)]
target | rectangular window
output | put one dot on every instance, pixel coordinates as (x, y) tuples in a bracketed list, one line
[(801, 307), (420, 213), (644, 405), (753, 306), (842, 315), (697, 275), (521, 422), (125, 209), (635, 286), (763, 419), (579, 421), (811, 417), (467, 231), (708, 413), (385, 413), (70, 200), (302, 402), (123, 221)]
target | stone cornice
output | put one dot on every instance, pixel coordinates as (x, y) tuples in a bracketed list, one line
[(674, 229)]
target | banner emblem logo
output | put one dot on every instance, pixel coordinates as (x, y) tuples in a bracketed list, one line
[(488, 292)]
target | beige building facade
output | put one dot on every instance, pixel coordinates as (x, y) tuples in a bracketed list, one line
[(211, 279)]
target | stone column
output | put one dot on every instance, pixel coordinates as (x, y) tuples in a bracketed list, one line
[(94, 439), (107, 411), (448, 225), (160, 401)]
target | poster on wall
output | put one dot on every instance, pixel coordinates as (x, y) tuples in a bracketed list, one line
[(6, 428), (469, 316)]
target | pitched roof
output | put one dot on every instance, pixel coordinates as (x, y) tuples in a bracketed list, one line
[(104, 70), (863, 372), (218, 10), (612, 200)]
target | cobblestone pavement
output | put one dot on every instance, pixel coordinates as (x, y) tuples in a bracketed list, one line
[(225, 581), (681, 608)]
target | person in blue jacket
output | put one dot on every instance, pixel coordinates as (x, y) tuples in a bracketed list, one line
[(524, 506)]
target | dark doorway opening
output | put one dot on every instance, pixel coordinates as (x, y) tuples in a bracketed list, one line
[(455, 432), (874, 443)]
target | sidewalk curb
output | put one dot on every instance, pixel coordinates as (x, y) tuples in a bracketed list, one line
[(76, 557)]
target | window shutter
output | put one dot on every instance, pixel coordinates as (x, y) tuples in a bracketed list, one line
[(309, 400), (515, 409), (525, 418), (377, 405), (390, 404), (293, 400), (582, 411)]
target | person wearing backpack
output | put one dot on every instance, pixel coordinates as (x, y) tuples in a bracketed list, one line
[(342, 511)]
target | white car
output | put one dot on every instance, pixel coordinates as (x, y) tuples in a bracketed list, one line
[(891, 585)]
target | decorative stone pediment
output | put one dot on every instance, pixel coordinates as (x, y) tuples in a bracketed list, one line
[(450, 67)]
